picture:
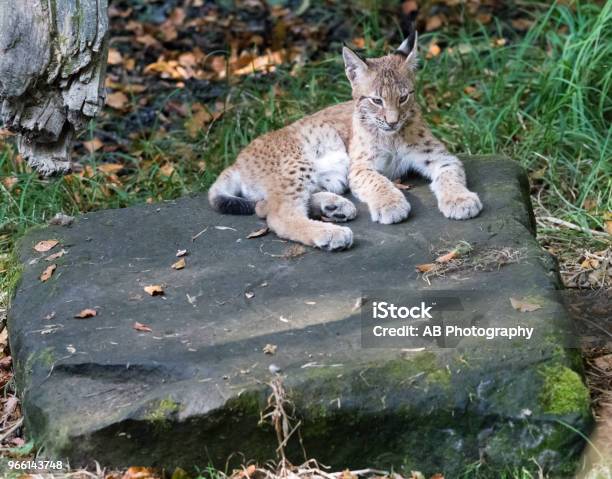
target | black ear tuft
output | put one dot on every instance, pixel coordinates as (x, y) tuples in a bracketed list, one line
[(409, 43)]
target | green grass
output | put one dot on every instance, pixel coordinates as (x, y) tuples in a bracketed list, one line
[(543, 99)]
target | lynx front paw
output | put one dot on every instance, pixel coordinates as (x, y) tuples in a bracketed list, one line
[(461, 206), (390, 211), (334, 238)]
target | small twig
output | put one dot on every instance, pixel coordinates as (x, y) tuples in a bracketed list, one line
[(592, 323), (286, 439), (572, 226), (193, 238), (11, 429)]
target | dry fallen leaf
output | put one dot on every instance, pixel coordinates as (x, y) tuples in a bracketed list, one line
[(445, 258), (187, 60), (433, 51), (608, 227), (147, 40), (359, 42), (347, 474), (401, 186), (433, 23), (154, 290), (117, 100), (180, 264), (141, 327), (425, 268), (270, 349), (197, 121), (167, 169), (249, 471), (9, 182), (46, 245), (484, 18), (257, 233), (86, 313), (48, 272), (55, 256), (265, 63), (524, 306), (590, 263), (140, 472), (114, 57), (521, 24), (93, 145), (110, 168), (590, 204)]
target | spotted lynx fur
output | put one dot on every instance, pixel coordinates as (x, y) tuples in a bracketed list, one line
[(294, 176)]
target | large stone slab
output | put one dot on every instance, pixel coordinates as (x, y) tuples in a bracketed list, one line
[(190, 392)]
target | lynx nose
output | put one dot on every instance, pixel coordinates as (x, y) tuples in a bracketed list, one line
[(392, 124)]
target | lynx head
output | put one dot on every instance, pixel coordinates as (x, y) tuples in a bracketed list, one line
[(384, 87)]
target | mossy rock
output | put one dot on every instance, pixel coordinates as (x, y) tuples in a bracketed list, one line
[(191, 392)]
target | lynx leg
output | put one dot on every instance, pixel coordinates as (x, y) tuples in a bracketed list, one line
[(387, 204), (288, 218), (448, 184), (261, 209), (332, 207)]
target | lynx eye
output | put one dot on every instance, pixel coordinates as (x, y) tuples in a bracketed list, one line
[(403, 98), (376, 101)]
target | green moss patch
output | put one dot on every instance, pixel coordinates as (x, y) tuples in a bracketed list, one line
[(563, 391), (163, 410)]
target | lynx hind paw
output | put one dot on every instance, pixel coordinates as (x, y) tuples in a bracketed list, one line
[(334, 238), (338, 209), (461, 206)]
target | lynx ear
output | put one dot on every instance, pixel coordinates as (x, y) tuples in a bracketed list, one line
[(408, 49), (354, 65)]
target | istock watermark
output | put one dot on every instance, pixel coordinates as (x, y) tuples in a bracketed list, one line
[(384, 310), (449, 319)]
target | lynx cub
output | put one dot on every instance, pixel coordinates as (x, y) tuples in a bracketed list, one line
[(299, 172)]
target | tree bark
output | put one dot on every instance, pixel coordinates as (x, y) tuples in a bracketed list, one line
[(52, 66)]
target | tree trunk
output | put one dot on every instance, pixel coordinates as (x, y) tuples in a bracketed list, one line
[(52, 67)]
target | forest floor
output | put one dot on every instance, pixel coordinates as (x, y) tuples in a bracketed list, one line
[(191, 82)]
